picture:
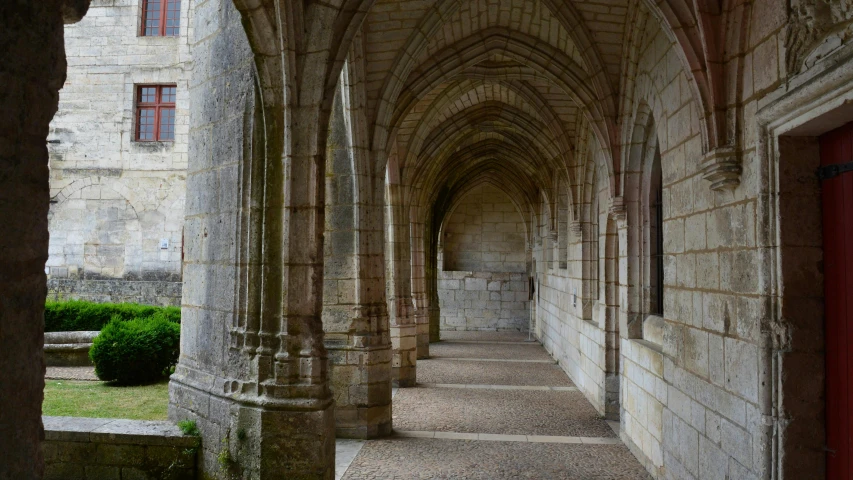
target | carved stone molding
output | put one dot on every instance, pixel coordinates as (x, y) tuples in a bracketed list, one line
[(577, 229), (816, 28), (722, 168)]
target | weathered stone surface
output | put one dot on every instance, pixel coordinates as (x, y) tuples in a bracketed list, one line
[(94, 449), (32, 70)]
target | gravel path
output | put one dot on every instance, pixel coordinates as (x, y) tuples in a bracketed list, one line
[(70, 373)]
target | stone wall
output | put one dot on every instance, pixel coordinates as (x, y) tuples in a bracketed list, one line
[(116, 204), (483, 284), (688, 400), (115, 291), (484, 233), (483, 301), (97, 448)]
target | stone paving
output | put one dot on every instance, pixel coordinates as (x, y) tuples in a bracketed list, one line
[(436, 370), (515, 412), (484, 336), (70, 373), (505, 351), (483, 420)]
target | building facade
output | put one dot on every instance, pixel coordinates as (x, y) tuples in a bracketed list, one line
[(118, 155)]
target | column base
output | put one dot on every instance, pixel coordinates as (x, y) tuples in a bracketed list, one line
[(422, 323), (258, 438), (405, 377), (363, 423), (404, 344), (360, 379), (423, 345), (434, 325)]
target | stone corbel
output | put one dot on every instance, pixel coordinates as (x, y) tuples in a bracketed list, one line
[(722, 168), (617, 209)]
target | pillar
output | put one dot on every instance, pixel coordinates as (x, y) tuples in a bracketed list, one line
[(400, 304), (253, 370), (419, 291), (355, 315), (32, 71)]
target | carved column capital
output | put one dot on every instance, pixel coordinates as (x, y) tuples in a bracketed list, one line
[(722, 168)]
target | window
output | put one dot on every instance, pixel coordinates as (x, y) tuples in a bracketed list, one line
[(161, 18), (155, 113), (656, 239)]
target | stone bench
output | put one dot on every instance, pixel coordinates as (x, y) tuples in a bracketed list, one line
[(95, 448), (68, 349)]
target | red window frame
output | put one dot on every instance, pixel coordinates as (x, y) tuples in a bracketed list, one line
[(160, 18), (150, 109)]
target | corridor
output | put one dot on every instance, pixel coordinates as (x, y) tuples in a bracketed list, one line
[(493, 406)]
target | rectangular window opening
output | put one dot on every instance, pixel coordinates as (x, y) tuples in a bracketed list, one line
[(161, 18), (155, 113), (657, 258)]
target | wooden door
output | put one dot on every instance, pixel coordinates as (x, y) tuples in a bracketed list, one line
[(836, 149)]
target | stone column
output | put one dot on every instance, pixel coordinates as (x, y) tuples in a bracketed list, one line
[(253, 368), (355, 316), (400, 304), (419, 293), (431, 280), (32, 70)]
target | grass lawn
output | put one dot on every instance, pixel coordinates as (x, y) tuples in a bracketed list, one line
[(68, 398)]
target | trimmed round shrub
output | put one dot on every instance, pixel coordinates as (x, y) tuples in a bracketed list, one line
[(138, 351)]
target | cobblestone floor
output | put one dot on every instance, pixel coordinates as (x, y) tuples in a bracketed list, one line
[(507, 351), (484, 336), (436, 370), (514, 412), (558, 434)]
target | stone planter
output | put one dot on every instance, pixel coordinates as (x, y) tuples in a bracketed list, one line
[(68, 349)]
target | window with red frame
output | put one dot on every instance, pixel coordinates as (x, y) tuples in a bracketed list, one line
[(161, 18), (155, 113)]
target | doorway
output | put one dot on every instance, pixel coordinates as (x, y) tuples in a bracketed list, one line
[(836, 156)]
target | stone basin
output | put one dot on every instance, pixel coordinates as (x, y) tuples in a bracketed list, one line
[(68, 349)]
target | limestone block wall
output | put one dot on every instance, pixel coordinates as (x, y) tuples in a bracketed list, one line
[(484, 233), (689, 405), (116, 204), (96, 448), (483, 301), (576, 344), (483, 283)]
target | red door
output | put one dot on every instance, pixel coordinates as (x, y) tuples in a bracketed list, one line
[(836, 148)]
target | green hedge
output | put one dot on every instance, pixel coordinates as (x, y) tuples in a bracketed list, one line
[(78, 315), (137, 351)]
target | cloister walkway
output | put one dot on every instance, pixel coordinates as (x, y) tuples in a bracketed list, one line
[(491, 406)]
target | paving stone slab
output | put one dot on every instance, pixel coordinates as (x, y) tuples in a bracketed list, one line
[(513, 412), (420, 458), (491, 373)]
